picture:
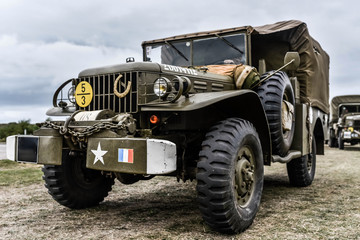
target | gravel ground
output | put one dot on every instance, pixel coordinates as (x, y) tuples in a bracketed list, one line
[(161, 208)]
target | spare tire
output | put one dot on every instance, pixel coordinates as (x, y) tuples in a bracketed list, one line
[(277, 97)]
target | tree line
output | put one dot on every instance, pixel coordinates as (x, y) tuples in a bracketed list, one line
[(14, 128)]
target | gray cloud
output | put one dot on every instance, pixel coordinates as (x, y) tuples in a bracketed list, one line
[(44, 43)]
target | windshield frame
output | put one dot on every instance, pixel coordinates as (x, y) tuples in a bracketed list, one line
[(247, 41), (341, 114)]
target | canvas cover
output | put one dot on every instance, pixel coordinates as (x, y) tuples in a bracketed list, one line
[(336, 101), (271, 42)]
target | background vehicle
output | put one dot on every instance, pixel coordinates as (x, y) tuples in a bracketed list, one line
[(344, 121), (196, 108)]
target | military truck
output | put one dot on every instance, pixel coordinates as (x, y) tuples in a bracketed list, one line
[(215, 106), (344, 121)]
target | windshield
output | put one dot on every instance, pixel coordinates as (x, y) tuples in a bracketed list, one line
[(346, 109), (215, 50)]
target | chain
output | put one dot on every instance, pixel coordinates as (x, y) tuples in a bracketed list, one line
[(88, 131)]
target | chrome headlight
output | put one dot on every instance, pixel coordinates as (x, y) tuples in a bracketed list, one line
[(350, 123), (71, 95), (162, 87), (171, 91)]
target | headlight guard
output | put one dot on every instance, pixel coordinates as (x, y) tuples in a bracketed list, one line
[(172, 90)]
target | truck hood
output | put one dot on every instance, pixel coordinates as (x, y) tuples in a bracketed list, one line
[(154, 67), (125, 67), (354, 116)]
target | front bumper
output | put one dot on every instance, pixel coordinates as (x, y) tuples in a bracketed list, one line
[(126, 155), (34, 149), (131, 155), (349, 135)]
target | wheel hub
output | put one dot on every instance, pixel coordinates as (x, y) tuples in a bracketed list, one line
[(244, 176)]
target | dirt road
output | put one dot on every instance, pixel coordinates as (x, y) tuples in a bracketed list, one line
[(164, 209)]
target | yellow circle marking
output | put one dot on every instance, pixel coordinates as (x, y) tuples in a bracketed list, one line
[(83, 94)]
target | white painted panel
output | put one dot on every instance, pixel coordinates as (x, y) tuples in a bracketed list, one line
[(11, 147), (161, 156)]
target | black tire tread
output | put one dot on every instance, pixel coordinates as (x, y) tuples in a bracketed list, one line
[(340, 141), (271, 93), (297, 170), (213, 177), (332, 142), (68, 193)]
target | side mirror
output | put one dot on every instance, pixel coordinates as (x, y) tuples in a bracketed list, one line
[(292, 56)]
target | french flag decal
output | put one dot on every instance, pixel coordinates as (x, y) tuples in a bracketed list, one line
[(126, 155)]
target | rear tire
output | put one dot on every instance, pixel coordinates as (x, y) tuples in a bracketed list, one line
[(272, 93), (301, 171), (75, 186), (230, 176), (332, 142)]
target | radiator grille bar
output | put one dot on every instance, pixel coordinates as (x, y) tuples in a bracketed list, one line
[(103, 92)]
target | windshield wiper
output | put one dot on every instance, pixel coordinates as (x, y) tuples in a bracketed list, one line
[(177, 50), (229, 43)]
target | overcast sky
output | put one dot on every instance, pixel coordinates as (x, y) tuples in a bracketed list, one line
[(43, 43)]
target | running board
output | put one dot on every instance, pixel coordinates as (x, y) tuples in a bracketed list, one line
[(291, 155)]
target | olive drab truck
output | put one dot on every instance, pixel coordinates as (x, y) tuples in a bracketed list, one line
[(215, 106), (344, 121)]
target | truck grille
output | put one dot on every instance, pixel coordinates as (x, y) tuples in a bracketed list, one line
[(356, 124), (103, 92)]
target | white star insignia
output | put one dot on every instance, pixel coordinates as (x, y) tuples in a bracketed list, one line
[(99, 154)]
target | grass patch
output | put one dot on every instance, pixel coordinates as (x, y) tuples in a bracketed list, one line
[(16, 174), (8, 164)]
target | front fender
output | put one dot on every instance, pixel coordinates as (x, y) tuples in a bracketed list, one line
[(203, 110), (196, 101)]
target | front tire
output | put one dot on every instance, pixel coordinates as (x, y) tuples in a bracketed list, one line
[(75, 186), (230, 176), (332, 139), (301, 171), (340, 141)]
